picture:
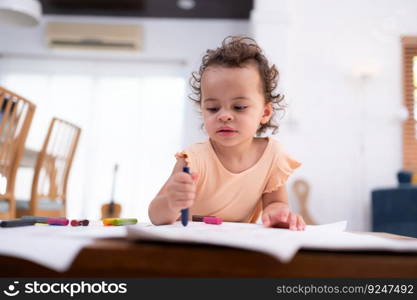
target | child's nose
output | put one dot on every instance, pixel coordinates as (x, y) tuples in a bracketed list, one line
[(225, 116)]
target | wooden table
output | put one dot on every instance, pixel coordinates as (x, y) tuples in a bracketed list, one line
[(121, 258)]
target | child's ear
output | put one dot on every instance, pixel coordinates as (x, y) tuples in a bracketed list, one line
[(267, 113)]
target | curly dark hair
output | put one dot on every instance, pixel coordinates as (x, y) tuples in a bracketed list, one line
[(238, 51)]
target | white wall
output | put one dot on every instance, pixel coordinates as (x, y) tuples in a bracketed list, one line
[(341, 65)]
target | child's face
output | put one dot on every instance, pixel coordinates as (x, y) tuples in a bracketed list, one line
[(233, 104)]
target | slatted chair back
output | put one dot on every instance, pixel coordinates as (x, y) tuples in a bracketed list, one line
[(16, 114), (49, 186)]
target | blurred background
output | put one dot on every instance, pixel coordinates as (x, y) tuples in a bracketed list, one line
[(120, 71)]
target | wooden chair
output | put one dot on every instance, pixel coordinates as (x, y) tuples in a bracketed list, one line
[(301, 189), (49, 186), (16, 114)]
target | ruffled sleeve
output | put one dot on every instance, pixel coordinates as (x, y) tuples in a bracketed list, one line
[(282, 167)]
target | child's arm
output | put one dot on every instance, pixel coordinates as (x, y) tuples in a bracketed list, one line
[(177, 193), (276, 212)]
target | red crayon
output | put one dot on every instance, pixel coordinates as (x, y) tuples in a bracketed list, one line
[(75, 223), (80, 222)]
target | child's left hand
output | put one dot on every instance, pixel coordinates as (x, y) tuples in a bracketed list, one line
[(279, 215)]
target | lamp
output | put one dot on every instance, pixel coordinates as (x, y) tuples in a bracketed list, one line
[(20, 12)]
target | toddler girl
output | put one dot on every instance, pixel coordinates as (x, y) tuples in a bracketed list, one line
[(235, 174)]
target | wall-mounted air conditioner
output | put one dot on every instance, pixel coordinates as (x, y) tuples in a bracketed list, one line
[(88, 36)]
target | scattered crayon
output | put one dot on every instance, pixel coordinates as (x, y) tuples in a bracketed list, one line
[(119, 221), (41, 224), (212, 220), (197, 218), (85, 222), (58, 221), (40, 219), (17, 223), (80, 222), (43, 220)]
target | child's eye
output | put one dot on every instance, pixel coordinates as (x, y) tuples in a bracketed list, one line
[(212, 109), (240, 107)]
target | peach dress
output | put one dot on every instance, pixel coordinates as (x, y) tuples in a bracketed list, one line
[(236, 197)]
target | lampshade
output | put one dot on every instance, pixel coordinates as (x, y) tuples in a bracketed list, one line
[(20, 12)]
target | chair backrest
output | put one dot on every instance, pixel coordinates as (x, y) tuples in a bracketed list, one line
[(16, 114), (54, 163), (301, 189)]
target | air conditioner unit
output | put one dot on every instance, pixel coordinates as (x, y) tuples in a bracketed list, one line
[(88, 36)]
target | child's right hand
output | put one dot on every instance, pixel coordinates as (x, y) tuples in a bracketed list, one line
[(181, 190)]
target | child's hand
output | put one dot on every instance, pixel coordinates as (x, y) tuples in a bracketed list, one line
[(181, 190), (279, 215)]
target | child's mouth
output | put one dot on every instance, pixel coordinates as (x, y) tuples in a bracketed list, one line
[(226, 132)]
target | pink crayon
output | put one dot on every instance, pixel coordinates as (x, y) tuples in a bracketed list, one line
[(212, 220), (58, 221)]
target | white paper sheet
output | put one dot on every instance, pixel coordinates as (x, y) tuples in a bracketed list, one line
[(280, 243), (359, 241), (52, 246)]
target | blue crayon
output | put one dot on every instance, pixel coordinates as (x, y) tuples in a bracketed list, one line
[(184, 212)]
